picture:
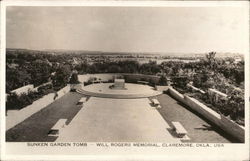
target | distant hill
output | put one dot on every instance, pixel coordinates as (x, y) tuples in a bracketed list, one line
[(88, 52)]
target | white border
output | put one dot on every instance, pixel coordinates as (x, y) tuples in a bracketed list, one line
[(230, 152), (2, 77), (125, 3)]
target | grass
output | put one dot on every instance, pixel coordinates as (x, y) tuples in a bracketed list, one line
[(199, 129), (36, 127)]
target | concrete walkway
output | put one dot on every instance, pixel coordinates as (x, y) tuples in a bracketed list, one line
[(117, 120), (114, 120)]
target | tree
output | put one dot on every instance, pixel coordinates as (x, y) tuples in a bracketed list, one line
[(16, 78), (211, 59), (61, 76), (74, 78), (211, 56), (236, 102), (40, 72), (180, 81), (163, 81), (114, 69)]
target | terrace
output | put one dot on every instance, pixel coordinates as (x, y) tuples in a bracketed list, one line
[(115, 120)]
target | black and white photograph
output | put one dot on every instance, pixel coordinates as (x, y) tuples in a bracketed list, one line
[(155, 77)]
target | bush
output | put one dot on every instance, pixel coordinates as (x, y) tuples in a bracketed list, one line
[(74, 79), (18, 102), (44, 90), (237, 104), (131, 79), (57, 88), (15, 101), (233, 106), (163, 81), (180, 82)]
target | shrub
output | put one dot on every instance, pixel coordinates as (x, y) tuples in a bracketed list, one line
[(232, 106), (18, 102), (180, 82), (237, 104), (15, 101), (44, 90), (163, 81), (74, 79)]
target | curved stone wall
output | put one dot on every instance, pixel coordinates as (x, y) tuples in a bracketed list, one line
[(127, 76), (117, 96)]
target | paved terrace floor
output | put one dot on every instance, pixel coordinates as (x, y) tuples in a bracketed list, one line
[(103, 120), (117, 120)]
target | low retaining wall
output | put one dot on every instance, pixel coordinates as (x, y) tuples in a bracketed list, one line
[(117, 96), (221, 121), (195, 89), (138, 77), (104, 77), (233, 128), (24, 89), (202, 109), (162, 88), (14, 117), (179, 97), (127, 76)]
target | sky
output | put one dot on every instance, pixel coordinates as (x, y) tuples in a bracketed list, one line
[(129, 29)]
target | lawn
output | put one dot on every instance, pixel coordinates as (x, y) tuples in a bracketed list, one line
[(36, 127), (199, 129)]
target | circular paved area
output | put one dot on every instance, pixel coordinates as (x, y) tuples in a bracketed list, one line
[(131, 91)]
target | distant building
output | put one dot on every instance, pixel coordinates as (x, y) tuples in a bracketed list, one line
[(237, 60)]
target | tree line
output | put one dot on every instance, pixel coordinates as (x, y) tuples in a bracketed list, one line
[(225, 75)]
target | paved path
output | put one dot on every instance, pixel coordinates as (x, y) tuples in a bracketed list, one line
[(117, 120), (102, 119)]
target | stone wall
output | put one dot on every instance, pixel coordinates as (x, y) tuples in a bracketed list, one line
[(14, 117), (128, 77), (24, 89), (179, 97), (221, 121)]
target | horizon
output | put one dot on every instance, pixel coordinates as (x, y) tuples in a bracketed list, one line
[(162, 54), (129, 29)]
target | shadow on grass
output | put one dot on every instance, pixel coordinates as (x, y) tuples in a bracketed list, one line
[(36, 127), (213, 127), (205, 128), (172, 132)]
